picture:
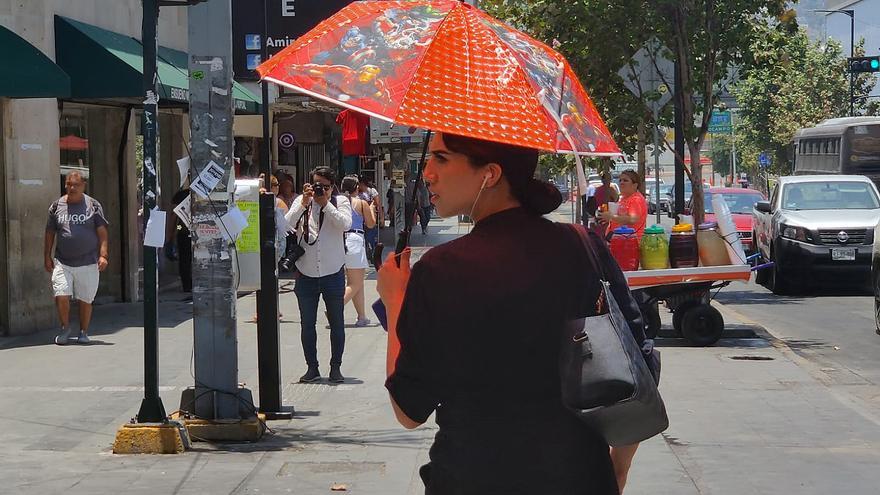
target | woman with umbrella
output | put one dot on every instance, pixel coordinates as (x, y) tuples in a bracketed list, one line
[(475, 325), (489, 369)]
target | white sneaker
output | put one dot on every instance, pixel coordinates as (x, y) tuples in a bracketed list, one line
[(362, 323), (62, 338), (83, 338)]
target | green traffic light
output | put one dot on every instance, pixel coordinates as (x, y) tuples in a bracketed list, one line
[(875, 64)]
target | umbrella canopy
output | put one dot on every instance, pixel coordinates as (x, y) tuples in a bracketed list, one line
[(446, 66)]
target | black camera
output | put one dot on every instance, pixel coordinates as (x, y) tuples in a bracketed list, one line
[(287, 263), (319, 189)]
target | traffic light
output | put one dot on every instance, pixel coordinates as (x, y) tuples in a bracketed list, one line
[(864, 64)]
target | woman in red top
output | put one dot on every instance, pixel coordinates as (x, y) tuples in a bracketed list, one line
[(632, 209)]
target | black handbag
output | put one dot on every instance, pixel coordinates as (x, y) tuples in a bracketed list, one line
[(605, 379)]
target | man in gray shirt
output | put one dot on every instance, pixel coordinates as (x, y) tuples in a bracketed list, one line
[(77, 222)]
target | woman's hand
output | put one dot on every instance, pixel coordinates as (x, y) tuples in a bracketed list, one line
[(392, 279), (605, 216)]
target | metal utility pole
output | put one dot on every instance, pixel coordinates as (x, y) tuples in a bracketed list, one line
[(852, 52), (152, 410), (733, 149), (268, 342), (217, 394), (679, 143)]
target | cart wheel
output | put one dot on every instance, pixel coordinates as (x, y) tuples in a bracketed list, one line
[(679, 312), (651, 314), (702, 325)]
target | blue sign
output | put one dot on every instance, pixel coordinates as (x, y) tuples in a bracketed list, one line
[(764, 160), (720, 123), (252, 42)]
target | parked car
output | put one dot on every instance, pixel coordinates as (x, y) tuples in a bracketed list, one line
[(651, 196), (741, 203), (688, 190), (814, 225)]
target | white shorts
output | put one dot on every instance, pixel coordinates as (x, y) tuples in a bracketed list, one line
[(81, 282), (356, 255)]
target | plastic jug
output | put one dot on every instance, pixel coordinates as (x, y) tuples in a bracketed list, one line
[(713, 248), (624, 247), (654, 249), (683, 252)]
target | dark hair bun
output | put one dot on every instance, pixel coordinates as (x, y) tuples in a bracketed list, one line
[(541, 197)]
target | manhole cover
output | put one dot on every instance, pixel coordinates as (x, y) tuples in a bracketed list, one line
[(752, 358)]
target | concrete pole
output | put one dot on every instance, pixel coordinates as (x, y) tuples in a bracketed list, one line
[(216, 394)]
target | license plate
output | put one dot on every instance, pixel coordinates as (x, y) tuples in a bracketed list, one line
[(843, 254)]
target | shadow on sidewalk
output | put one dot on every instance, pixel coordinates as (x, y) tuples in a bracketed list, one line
[(175, 308)]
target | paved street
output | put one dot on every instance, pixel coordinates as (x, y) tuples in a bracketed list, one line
[(748, 416)]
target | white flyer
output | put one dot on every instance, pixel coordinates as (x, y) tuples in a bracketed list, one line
[(233, 222), (183, 165), (155, 234), (184, 212), (207, 179)]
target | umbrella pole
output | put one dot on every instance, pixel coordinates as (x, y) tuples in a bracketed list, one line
[(410, 206)]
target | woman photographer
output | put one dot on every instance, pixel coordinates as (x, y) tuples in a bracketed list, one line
[(474, 332)]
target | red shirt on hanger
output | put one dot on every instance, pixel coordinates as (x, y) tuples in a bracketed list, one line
[(354, 132)]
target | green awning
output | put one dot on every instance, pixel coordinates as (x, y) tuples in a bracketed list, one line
[(25, 72), (103, 64)]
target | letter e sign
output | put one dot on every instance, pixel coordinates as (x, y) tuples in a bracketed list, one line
[(288, 9)]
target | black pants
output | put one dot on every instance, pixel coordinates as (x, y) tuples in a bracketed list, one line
[(184, 260), (424, 216)]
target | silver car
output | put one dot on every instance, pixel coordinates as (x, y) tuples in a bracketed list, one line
[(816, 225)]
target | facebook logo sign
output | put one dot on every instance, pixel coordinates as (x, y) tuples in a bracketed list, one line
[(252, 42), (253, 60)]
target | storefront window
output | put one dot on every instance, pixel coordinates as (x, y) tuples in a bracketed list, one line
[(73, 142)]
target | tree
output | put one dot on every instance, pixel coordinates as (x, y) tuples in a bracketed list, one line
[(790, 83), (707, 37), (722, 153)]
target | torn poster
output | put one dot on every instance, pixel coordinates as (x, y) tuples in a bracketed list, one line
[(207, 179)]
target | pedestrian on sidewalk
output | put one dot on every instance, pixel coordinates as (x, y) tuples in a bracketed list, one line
[(474, 331), (362, 217), (76, 221), (325, 217), (368, 193)]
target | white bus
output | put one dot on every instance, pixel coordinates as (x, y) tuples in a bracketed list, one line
[(845, 146)]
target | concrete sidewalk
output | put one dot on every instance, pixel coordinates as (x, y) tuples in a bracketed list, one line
[(746, 416)]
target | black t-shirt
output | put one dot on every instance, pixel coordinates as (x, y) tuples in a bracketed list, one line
[(480, 332)]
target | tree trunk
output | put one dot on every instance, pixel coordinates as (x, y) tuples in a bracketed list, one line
[(697, 203)]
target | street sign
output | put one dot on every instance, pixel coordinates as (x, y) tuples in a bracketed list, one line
[(649, 74), (719, 123), (764, 160)]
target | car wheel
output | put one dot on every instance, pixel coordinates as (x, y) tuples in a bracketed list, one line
[(778, 282), (702, 325)]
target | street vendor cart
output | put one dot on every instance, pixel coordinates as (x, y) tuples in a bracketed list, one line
[(686, 292)]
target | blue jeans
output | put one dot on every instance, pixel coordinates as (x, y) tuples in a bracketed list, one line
[(308, 290), (371, 236)]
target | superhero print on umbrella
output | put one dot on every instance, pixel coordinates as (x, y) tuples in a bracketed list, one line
[(371, 57)]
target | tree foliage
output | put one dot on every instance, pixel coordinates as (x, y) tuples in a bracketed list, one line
[(790, 83), (707, 37)]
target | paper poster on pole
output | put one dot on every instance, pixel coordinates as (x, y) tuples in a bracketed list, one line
[(234, 221), (155, 234), (183, 165), (208, 179), (249, 240), (184, 212)]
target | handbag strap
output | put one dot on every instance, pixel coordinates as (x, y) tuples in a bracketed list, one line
[(593, 259)]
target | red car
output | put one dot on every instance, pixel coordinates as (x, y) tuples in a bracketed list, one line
[(741, 202)]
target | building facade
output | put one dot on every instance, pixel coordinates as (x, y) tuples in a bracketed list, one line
[(71, 99)]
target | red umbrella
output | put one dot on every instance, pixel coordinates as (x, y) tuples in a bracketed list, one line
[(446, 66)]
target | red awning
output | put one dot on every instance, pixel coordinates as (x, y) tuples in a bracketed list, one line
[(73, 143)]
